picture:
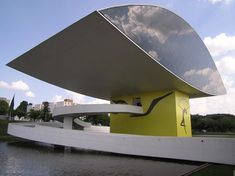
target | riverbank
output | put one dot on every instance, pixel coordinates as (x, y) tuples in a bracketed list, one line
[(4, 137), (215, 134), (78, 162)]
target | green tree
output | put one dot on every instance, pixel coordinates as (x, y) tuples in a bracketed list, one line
[(213, 123), (98, 119), (21, 110), (34, 114), (4, 107), (45, 113)]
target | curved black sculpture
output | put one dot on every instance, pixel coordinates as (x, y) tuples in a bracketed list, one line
[(152, 105)]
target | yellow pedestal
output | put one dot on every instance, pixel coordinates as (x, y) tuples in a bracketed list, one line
[(169, 117)]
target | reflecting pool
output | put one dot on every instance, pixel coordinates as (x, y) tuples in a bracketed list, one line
[(31, 158)]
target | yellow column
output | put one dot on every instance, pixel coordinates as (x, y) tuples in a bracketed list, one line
[(169, 117), (183, 115)]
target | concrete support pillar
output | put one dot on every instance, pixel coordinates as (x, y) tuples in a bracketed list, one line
[(68, 123)]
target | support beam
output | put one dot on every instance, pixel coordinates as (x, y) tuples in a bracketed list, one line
[(68, 123)]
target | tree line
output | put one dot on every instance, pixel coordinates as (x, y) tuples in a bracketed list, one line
[(213, 123), (200, 123), (21, 111), (45, 113)]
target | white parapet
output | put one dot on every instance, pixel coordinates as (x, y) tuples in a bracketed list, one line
[(82, 123), (215, 150), (96, 109), (103, 129)]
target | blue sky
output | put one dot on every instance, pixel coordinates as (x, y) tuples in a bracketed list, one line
[(24, 24)]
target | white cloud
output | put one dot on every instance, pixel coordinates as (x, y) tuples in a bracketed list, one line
[(202, 72), (57, 98), (217, 104), (138, 24), (226, 65), (220, 44), (211, 76), (4, 84), (82, 99), (154, 54), (29, 94), (20, 85), (17, 85), (220, 1)]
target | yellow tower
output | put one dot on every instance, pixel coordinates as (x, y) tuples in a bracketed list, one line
[(165, 114)]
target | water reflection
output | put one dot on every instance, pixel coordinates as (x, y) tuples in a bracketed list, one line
[(28, 158), (170, 41)]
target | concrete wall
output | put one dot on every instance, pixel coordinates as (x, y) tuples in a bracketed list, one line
[(103, 129), (216, 150)]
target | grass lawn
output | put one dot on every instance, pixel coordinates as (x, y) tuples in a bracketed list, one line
[(215, 134), (3, 127), (3, 132), (216, 170)]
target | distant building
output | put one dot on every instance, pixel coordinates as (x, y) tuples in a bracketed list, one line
[(29, 107), (66, 102), (52, 105), (38, 107), (5, 99)]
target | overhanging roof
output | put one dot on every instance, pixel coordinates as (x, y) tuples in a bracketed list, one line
[(94, 58)]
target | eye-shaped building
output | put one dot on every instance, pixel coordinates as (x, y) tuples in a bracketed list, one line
[(138, 54), (148, 62)]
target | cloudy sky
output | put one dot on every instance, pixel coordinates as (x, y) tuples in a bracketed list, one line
[(25, 24)]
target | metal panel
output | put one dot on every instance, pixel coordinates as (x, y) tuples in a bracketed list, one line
[(170, 41)]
